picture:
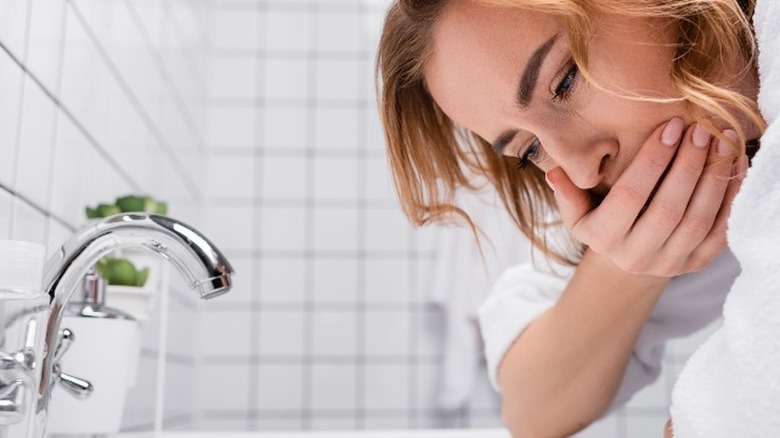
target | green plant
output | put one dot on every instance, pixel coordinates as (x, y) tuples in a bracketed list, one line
[(127, 204), (119, 271)]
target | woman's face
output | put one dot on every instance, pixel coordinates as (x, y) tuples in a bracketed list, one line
[(507, 75)]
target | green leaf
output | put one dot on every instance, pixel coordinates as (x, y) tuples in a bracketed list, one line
[(91, 213), (130, 203), (162, 208), (150, 206), (141, 277), (105, 210)]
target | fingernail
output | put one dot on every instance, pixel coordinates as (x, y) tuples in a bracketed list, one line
[(700, 137), (724, 147), (549, 183), (671, 134)]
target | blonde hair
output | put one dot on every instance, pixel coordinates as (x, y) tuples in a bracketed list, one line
[(431, 157)]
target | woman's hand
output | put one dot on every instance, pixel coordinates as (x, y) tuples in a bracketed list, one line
[(659, 219)]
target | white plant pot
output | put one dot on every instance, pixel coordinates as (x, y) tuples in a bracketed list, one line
[(138, 302), (102, 353)]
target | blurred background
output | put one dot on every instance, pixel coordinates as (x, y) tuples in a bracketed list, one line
[(255, 120)]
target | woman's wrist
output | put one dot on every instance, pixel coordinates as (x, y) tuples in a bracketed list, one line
[(610, 271)]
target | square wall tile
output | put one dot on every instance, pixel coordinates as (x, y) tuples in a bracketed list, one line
[(286, 30), (387, 229), (379, 181), (36, 138), (282, 178), (285, 127), (337, 128), (283, 229), (338, 79), (224, 333), (231, 126), (335, 229), (11, 78), (281, 280), (335, 281), (335, 178), (227, 389), (338, 31), (44, 48), (28, 224), (13, 26), (230, 176), (388, 281), (333, 387), (387, 333), (68, 172), (234, 29), (334, 333), (280, 333), (279, 387), (387, 387), (286, 79), (180, 395), (233, 77)]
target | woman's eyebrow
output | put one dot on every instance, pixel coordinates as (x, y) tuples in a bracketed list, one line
[(531, 73), (500, 144), (525, 89)]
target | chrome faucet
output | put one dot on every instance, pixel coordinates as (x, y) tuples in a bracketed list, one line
[(199, 261)]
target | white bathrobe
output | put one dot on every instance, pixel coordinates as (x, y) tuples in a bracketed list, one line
[(730, 387)]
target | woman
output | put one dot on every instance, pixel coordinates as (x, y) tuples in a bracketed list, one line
[(624, 120)]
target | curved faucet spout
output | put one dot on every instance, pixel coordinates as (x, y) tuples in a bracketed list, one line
[(199, 261)]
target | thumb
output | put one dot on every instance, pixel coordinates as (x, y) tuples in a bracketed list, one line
[(573, 202)]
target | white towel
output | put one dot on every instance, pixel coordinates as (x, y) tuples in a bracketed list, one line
[(730, 387)]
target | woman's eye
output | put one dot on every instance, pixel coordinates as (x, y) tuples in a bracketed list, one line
[(529, 155), (564, 88)]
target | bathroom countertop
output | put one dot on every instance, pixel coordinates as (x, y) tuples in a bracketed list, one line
[(448, 433)]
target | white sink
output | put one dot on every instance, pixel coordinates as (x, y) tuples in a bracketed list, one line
[(441, 433)]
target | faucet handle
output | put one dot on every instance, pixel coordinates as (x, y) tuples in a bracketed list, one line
[(78, 387), (12, 402), (17, 365), (67, 337)]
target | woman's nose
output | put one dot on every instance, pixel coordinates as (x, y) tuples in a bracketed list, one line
[(585, 162)]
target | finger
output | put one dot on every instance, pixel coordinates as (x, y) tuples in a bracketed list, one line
[(668, 429), (671, 201), (717, 240), (626, 199), (573, 202), (707, 200)]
